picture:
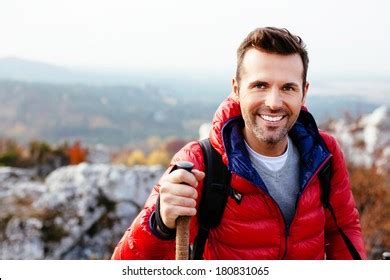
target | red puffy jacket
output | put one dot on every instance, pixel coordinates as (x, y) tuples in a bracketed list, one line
[(255, 228)]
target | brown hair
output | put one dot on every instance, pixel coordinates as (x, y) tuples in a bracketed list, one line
[(273, 40)]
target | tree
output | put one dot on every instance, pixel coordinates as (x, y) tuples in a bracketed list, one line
[(11, 153), (136, 157), (77, 154), (39, 150), (159, 156), (173, 145)]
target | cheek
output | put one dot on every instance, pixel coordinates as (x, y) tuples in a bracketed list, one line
[(250, 103), (295, 104)]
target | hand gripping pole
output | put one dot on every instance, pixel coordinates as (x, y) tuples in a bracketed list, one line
[(183, 222)]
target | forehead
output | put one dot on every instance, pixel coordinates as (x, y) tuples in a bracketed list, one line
[(270, 66)]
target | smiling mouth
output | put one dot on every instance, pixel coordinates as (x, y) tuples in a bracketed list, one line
[(272, 118)]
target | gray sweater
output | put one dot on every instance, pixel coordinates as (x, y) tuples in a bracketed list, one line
[(283, 185)]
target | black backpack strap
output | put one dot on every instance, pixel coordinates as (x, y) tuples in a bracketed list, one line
[(325, 176), (216, 188)]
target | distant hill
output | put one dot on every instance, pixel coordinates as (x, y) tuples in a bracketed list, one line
[(33, 71), (334, 107), (114, 115)]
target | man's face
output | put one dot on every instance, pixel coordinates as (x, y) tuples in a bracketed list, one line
[(270, 95)]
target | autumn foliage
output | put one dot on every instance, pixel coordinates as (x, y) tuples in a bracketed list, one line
[(77, 154), (155, 151), (372, 194), (30, 155)]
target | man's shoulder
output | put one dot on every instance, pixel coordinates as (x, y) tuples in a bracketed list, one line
[(192, 152), (191, 147)]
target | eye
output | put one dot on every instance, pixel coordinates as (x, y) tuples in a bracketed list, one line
[(288, 88), (260, 85)]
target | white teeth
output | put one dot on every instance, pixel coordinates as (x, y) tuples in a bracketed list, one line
[(271, 119)]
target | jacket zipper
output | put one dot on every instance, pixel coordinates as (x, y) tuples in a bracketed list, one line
[(287, 226), (287, 232)]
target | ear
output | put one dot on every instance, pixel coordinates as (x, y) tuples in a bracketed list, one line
[(235, 90), (305, 90)]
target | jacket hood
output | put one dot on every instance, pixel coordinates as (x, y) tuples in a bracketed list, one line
[(227, 110)]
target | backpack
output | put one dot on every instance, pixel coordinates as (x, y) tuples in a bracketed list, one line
[(216, 190)]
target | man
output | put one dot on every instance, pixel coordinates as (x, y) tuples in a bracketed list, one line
[(274, 152)]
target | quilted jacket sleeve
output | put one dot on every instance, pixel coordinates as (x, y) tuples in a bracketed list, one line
[(343, 204), (138, 242)]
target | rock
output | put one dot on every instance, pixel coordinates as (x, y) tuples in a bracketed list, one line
[(79, 212), (366, 141), (99, 154), (22, 239), (204, 131)]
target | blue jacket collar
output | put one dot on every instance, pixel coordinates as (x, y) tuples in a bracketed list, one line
[(304, 134)]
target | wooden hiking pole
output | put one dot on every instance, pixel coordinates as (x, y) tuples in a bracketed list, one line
[(183, 222), (182, 237)]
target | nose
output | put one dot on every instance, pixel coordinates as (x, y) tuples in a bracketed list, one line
[(273, 99)]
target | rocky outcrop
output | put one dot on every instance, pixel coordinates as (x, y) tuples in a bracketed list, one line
[(78, 212), (365, 141)]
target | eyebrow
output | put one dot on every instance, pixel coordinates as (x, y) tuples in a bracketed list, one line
[(256, 82), (291, 85)]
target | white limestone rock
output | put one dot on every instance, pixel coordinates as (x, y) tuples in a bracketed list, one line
[(79, 212), (366, 141)]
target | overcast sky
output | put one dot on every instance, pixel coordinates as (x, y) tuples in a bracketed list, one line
[(178, 35)]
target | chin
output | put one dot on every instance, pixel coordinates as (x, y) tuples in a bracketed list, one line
[(270, 139)]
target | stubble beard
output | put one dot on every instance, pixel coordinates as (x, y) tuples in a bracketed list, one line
[(265, 137), (269, 136)]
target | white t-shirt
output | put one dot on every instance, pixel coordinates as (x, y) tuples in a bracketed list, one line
[(272, 163)]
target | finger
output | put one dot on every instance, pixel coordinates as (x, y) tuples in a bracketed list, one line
[(178, 190), (178, 201), (199, 175), (171, 212), (182, 176)]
